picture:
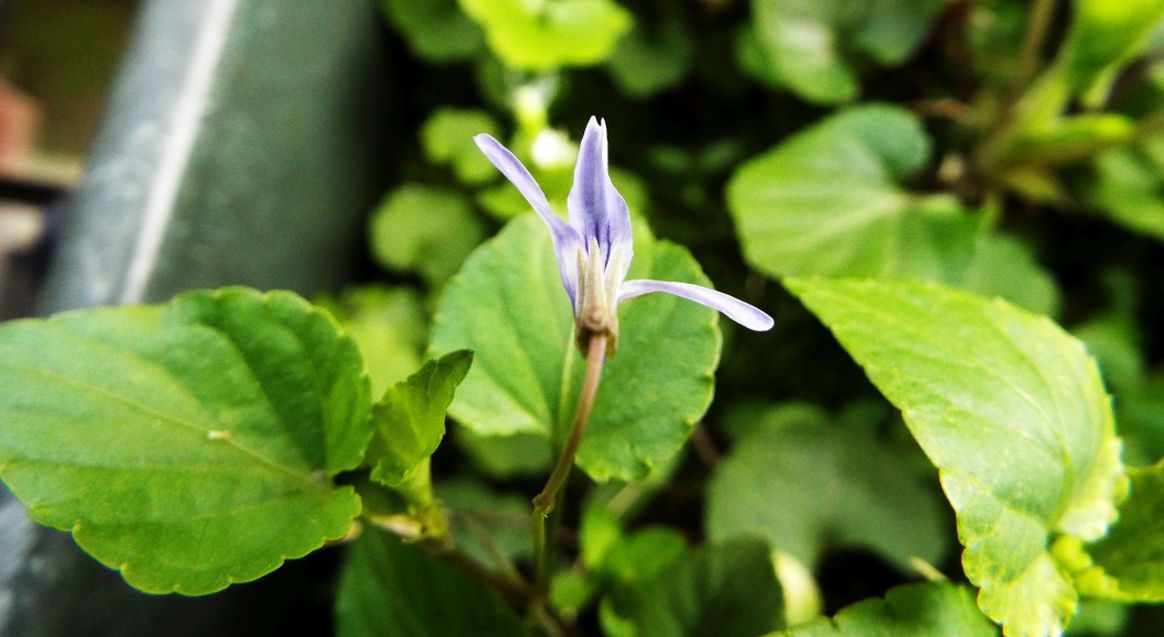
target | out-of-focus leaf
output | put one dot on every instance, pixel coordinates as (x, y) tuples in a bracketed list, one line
[(478, 512), (1105, 34), (651, 58), (546, 34), (812, 45), (189, 445), (1128, 187), (427, 229), (1128, 564), (508, 306), (435, 29), (1005, 266), (807, 484), (1010, 409), (390, 588), (390, 327), (505, 457), (930, 609), (719, 590), (447, 138), (827, 201)]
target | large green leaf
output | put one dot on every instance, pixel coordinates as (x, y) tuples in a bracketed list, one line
[(719, 590), (508, 306), (828, 202), (545, 34), (188, 445), (409, 421), (1128, 564), (435, 29), (931, 609), (804, 483), (1012, 411), (812, 44), (390, 588)]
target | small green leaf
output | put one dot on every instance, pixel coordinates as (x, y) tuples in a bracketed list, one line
[(805, 484), (1129, 561), (720, 590), (508, 305), (1010, 409), (390, 588), (427, 229), (435, 29), (188, 445), (827, 202), (812, 46), (545, 34), (409, 421), (447, 138), (930, 609)]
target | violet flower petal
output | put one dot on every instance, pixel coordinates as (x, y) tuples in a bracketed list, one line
[(597, 210), (743, 313), (566, 239)]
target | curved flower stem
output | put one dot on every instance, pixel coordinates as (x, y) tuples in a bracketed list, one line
[(544, 502)]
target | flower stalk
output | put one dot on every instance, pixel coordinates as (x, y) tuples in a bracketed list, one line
[(545, 502)]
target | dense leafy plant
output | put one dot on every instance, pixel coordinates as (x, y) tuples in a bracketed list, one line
[(934, 182)]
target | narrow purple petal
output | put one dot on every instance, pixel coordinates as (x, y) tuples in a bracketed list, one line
[(566, 240), (597, 210), (745, 314)]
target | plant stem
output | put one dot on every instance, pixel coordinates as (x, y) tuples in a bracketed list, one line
[(545, 502), (1033, 39)]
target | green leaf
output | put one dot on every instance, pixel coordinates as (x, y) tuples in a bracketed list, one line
[(1128, 564), (477, 512), (409, 421), (721, 590), (427, 229), (389, 325), (435, 29), (188, 445), (652, 58), (545, 34), (623, 559), (806, 484), (506, 457), (447, 138), (813, 45), (930, 609), (827, 202), (1005, 266), (1127, 187), (390, 588), (508, 306), (1105, 34), (1010, 409)]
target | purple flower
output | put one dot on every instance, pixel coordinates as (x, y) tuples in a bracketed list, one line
[(595, 247)]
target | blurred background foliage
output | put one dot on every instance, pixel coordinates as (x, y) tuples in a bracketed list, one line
[(1010, 148)]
